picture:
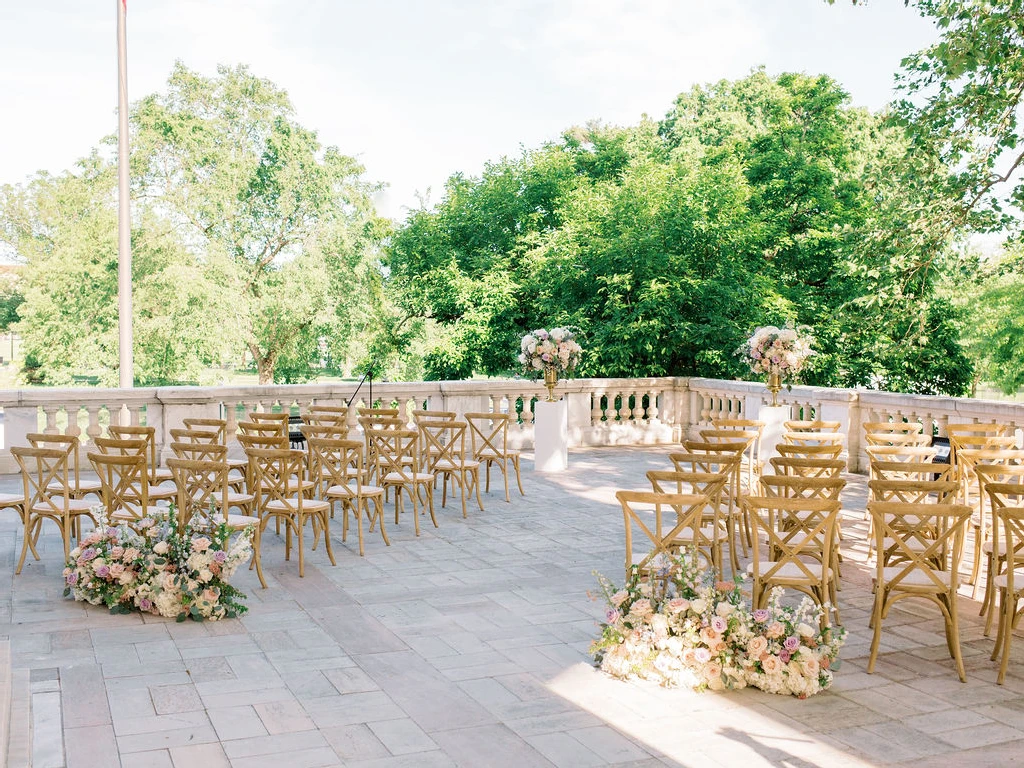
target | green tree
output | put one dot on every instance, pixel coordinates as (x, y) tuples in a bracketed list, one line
[(225, 160)]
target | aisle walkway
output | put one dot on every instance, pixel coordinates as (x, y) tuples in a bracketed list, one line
[(468, 647)]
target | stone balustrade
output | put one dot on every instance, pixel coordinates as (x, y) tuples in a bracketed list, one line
[(601, 411)]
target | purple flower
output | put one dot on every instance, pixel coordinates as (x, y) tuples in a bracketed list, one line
[(72, 578), (220, 556), (791, 643), (784, 657), (761, 615), (103, 571), (111, 531), (719, 624), (145, 604), (611, 616), (88, 554)]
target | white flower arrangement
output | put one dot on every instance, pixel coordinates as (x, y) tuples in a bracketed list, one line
[(555, 349), (683, 628)]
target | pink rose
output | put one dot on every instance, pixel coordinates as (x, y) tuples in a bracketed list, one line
[(771, 665), (201, 544), (775, 629)]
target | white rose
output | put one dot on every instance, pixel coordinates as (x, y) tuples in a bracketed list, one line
[(724, 609), (699, 605), (805, 630), (161, 548)]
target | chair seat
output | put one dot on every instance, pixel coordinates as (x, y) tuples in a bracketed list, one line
[(241, 521), (792, 573), (130, 515), (11, 500), (918, 580), (450, 466), (160, 492), (75, 506), (347, 492), (308, 506), (160, 475), (236, 498), (84, 486), (397, 478)]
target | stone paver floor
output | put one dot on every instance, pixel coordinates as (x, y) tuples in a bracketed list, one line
[(468, 646)]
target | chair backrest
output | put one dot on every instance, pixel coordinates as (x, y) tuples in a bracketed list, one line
[(912, 453), (827, 451), (200, 451), (977, 429), (197, 435), (720, 462), (442, 444), (923, 544), (336, 462), (897, 439), (870, 427), (807, 437), (262, 429), (811, 426), (1005, 493), (278, 420), (912, 470), (710, 484), (794, 538), (277, 474), (67, 443), (743, 424), (791, 487), (427, 415), (797, 467), (137, 432), (396, 452), (388, 413), (220, 426), (488, 433), (122, 447), (329, 428), (202, 487), (42, 468), (913, 491), (664, 524), (124, 482), (319, 419)]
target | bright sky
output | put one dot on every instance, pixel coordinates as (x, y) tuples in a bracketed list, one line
[(420, 89)]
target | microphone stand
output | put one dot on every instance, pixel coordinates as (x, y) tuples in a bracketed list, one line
[(369, 373)]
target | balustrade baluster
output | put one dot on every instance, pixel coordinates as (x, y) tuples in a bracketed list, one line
[(625, 412), (596, 411)]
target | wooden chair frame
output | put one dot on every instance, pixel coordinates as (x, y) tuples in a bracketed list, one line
[(491, 430), (665, 537)]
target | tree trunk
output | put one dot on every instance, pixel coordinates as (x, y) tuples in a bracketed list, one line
[(265, 364)]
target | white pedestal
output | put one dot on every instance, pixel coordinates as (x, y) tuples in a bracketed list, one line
[(550, 436), (773, 418)]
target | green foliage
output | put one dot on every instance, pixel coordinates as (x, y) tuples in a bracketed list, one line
[(763, 200)]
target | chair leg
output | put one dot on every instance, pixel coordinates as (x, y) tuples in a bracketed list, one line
[(325, 517), (476, 485), (298, 539), (519, 481), (257, 543), (876, 618), (378, 504)]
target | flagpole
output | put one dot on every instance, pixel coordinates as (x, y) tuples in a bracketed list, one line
[(124, 232)]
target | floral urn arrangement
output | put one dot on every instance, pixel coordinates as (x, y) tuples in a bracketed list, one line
[(552, 352), (779, 353)]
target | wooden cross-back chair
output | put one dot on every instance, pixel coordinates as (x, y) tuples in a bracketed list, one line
[(907, 439), (912, 470), (968, 461), (333, 420), (157, 474), (790, 487), (237, 498), (126, 489), (750, 456), (665, 524), (993, 552), (338, 464), (715, 529), (912, 453), (209, 436), (156, 490), (926, 541), (282, 496), (78, 488), (335, 410), (41, 470), (220, 426), (807, 437), (488, 436), (1005, 492), (396, 454), (204, 488), (731, 452), (795, 548), (443, 454)]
